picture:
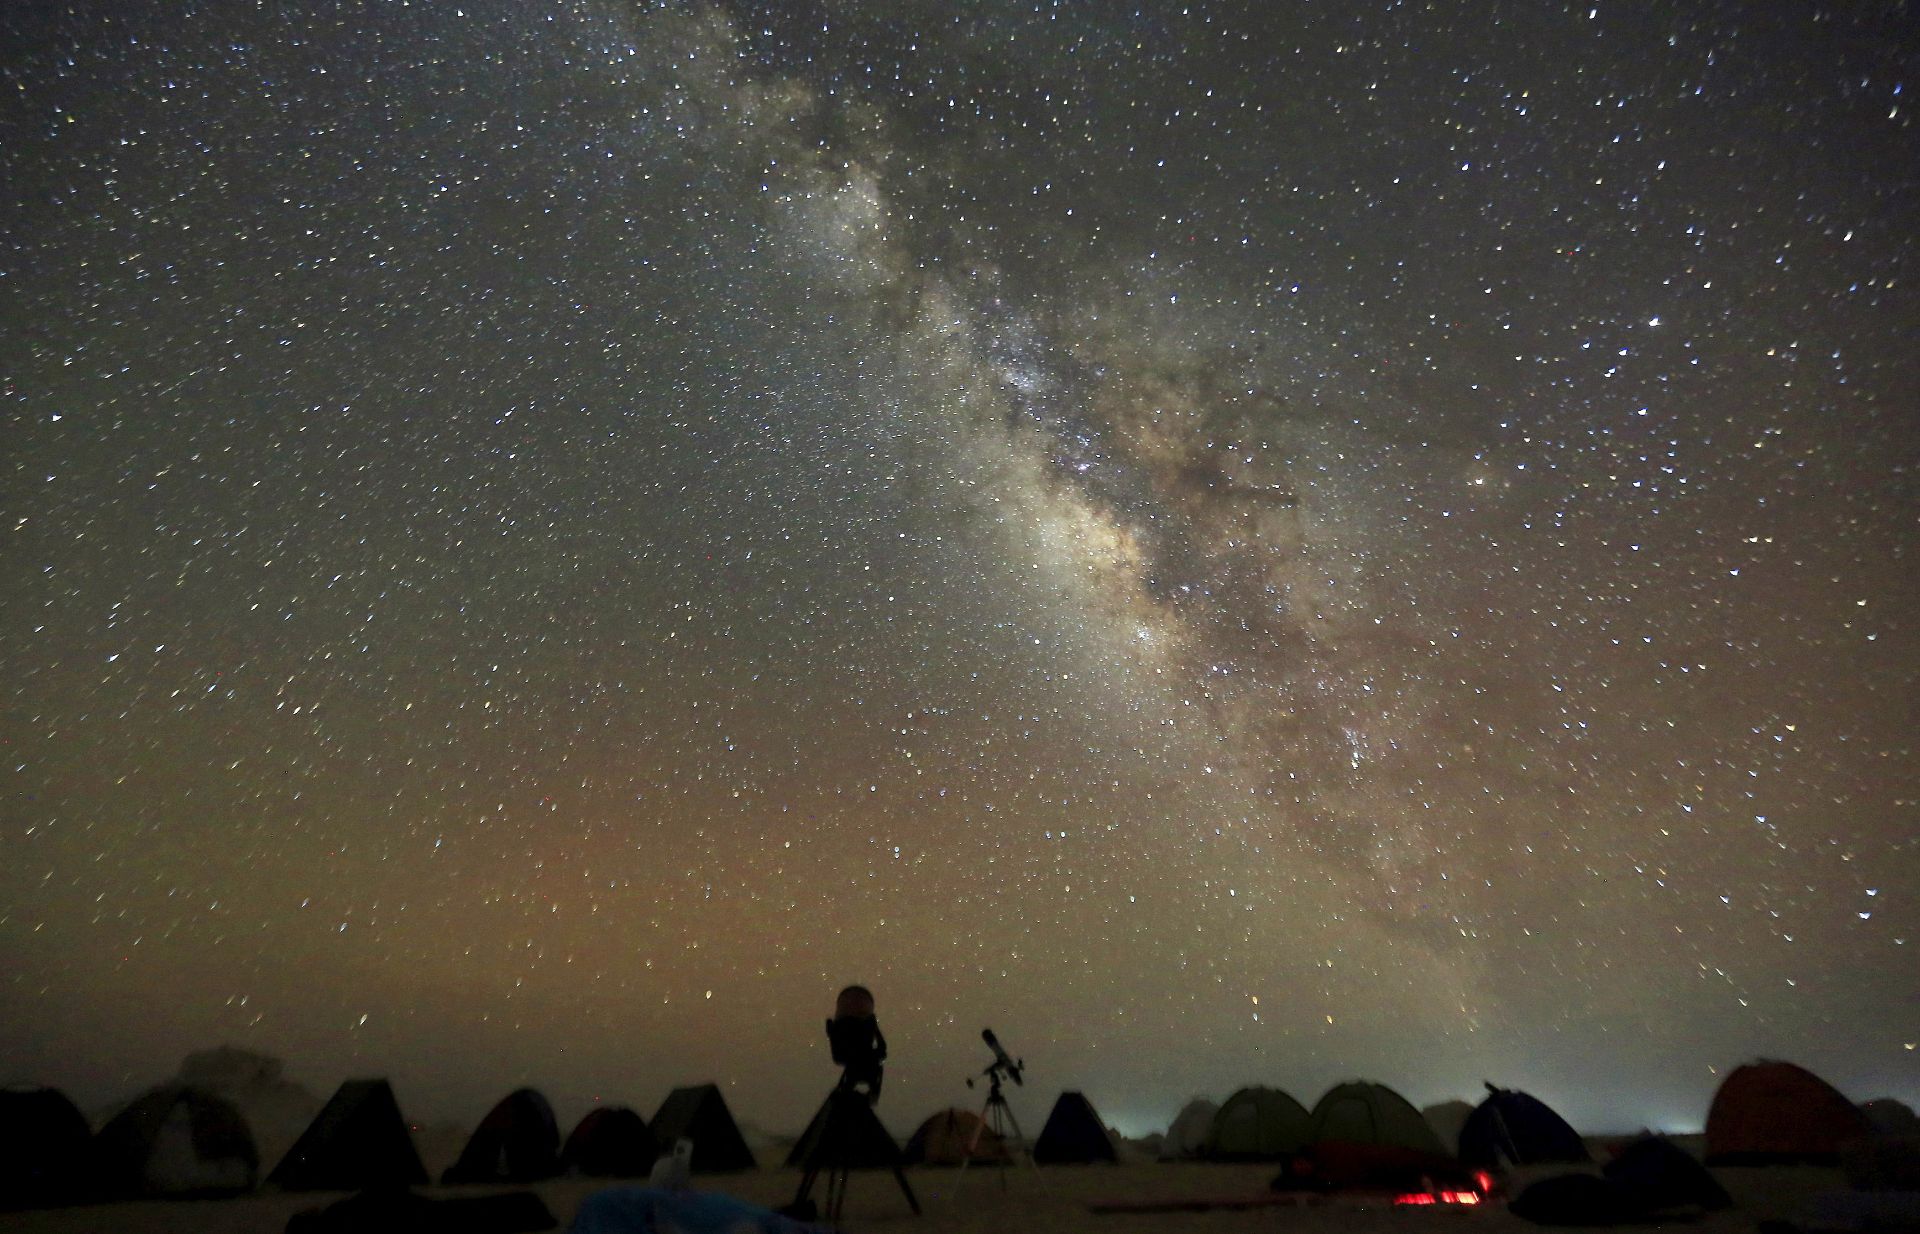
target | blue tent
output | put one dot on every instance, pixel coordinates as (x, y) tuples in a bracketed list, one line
[(1512, 1128)]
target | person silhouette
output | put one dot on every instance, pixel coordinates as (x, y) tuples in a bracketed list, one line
[(853, 1034)]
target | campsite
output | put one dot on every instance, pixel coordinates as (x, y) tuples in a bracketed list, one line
[(1781, 1150)]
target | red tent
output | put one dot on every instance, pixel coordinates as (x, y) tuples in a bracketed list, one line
[(1770, 1112)]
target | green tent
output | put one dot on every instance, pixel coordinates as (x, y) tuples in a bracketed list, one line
[(1257, 1124), (1360, 1112)]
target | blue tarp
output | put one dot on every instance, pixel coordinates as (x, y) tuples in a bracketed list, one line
[(657, 1210)]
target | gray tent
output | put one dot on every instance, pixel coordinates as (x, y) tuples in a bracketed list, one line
[(175, 1141), (1186, 1138), (1447, 1118)]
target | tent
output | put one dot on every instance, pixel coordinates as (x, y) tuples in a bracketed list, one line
[(1770, 1112), (1884, 1163), (863, 1143), (1577, 1200), (1659, 1174), (1648, 1177), (1360, 1112), (1891, 1116), (700, 1114), (177, 1141), (1074, 1134), (611, 1142), (1446, 1118), (277, 1109), (357, 1140), (1186, 1137), (1366, 1135), (44, 1148), (1513, 1128), (1257, 1124), (517, 1142), (943, 1140)]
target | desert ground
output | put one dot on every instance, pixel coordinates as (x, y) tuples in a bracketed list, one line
[(983, 1201)]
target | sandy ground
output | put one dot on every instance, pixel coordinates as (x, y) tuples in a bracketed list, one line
[(977, 1202)]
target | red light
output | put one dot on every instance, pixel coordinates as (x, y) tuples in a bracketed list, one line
[(1437, 1197)]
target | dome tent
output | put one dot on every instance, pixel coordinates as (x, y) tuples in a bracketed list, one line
[(611, 1141), (1513, 1128), (1447, 1118), (944, 1137), (177, 1141), (1891, 1116), (1660, 1174), (1774, 1113), (517, 1142), (1361, 1112), (1257, 1124), (1186, 1137), (45, 1144), (1366, 1135)]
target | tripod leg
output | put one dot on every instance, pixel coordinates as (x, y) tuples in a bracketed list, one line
[(1019, 1136), (806, 1183), (900, 1176), (973, 1141), (836, 1193)]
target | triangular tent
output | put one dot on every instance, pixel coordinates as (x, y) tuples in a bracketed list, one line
[(357, 1140), (1364, 1113), (517, 1142), (611, 1142), (177, 1141), (1257, 1124), (1186, 1137), (862, 1143), (1512, 1128), (700, 1114), (44, 1147), (1073, 1134), (943, 1140), (1770, 1113)]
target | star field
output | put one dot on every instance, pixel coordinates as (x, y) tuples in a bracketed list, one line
[(1228, 543)]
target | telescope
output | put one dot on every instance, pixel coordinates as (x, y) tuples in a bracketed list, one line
[(997, 1115), (1001, 1061)]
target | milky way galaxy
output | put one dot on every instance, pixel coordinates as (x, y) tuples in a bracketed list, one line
[(1232, 542)]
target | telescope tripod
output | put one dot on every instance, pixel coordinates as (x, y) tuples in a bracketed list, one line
[(997, 1116), (846, 1136)]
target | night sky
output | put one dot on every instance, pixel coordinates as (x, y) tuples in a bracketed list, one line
[(1229, 541)]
